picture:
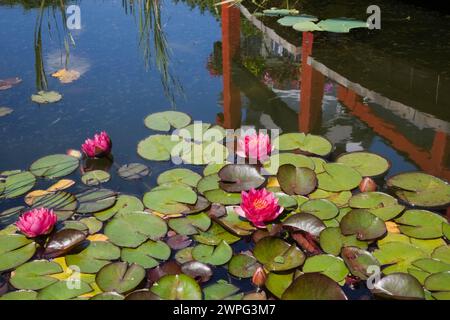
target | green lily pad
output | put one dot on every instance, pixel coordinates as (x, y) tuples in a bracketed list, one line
[(200, 153), (148, 255), (239, 177), (215, 235), (75, 225), (358, 261), (217, 256), (179, 176), (223, 197), (292, 180), (278, 255), (233, 223), (157, 147), (95, 200), (289, 21), (213, 168), (399, 286), (442, 253), (184, 255), (15, 250), (133, 171), (64, 290), (201, 131), (306, 26), (54, 166), (446, 230), (95, 177), (208, 183), (16, 183), (338, 177), (177, 287), (321, 208), (108, 296), (20, 295), (314, 286), (332, 241), (308, 143), (243, 265), (327, 264), (430, 266), (280, 12), (438, 281), (133, 229), (288, 202), (170, 199), (190, 225), (97, 255), (341, 25), (43, 97), (279, 159), (222, 291), (120, 277), (364, 224), (35, 275), (366, 163), (62, 203), (420, 189), (399, 256), (305, 222), (340, 199), (163, 121), (421, 224), (92, 224), (125, 204), (380, 204), (277, 283), (8, 216)]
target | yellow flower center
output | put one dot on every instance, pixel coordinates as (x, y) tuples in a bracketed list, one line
[(260, 204)]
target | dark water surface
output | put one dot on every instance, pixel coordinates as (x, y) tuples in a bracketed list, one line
[(386, 91)]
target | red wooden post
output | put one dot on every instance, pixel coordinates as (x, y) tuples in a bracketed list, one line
[(231, 21), (311, 89)]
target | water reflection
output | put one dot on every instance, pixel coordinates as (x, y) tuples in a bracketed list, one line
[(326, 101), (52, 17)]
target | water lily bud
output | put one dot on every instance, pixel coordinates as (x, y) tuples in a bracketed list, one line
[(259, 277), (98, 147), (367, 185)]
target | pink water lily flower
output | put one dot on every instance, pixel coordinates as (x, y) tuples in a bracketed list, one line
[(37, 222), (254, 146), (259, 206), (98, 147)]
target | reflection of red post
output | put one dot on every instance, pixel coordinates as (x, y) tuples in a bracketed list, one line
[(433, 161), (311, 89), (231, 20)]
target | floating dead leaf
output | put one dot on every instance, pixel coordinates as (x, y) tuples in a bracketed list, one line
[(66, 75), (97, 237), (272, 182), (392, 227), (61, 185), (4, 111), (74, 153), (31, 197), (9, 83)]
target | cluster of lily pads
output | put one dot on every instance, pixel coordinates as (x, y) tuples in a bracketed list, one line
[(304, 22), (176, 240)]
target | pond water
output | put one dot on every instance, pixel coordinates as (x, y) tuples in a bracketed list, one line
[(385, 91)]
